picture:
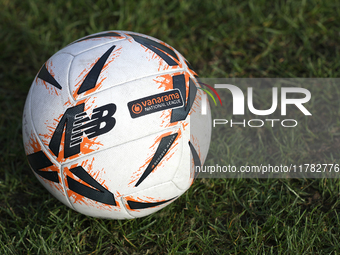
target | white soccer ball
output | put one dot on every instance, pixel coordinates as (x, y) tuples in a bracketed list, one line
[(112, 125)]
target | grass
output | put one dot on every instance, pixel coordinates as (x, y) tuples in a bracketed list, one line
[(216, 216)]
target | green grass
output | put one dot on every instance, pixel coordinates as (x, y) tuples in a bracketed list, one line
[(216, 216)]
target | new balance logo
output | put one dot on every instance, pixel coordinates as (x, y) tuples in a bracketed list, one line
[(76, 124)]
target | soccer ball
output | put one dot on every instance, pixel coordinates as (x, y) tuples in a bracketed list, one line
[(112, 125)]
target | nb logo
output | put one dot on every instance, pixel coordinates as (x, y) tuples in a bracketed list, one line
[(76, 123)]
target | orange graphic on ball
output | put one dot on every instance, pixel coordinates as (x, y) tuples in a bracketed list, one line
[(137, 108)]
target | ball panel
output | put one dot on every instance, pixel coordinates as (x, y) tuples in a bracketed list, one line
[(90, 42), (44, 168), (200, 129), (88, 193), (183, 177), (117, 171), (196, 144), (129, 60), (49, 103), (151, 200)]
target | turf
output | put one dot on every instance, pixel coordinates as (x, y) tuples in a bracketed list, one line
[(216, 216)]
